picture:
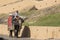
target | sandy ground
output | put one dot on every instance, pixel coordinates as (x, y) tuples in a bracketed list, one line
[(37, 32), (12, 5)]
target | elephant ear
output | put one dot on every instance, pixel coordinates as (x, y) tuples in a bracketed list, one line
[(22, 20)]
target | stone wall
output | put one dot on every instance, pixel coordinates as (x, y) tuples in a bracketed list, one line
[(38, 32)]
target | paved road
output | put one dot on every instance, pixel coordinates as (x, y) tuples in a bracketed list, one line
[(3, 37)]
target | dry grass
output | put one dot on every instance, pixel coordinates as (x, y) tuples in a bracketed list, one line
[(10, 5)]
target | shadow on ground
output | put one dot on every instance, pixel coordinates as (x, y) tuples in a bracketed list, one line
[(4, 37)]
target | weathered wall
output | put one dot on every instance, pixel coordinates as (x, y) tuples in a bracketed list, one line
[(38, 32), (44, 32)]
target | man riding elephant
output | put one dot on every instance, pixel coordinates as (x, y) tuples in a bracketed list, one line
[(17, 25)]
